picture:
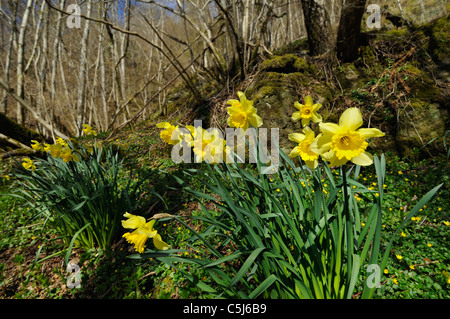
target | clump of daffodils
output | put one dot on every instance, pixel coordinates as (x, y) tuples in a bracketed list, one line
[(143, 230), (336, 143), (60, 149)]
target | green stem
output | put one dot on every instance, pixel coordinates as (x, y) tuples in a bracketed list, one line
[(349, 224)]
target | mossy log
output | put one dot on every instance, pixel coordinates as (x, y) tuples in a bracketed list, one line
[(18, 132)]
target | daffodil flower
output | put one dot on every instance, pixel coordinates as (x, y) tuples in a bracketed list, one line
[(28, 164), (55, 150), (307, 112), (36, 145), (303, 148), (341, 143), (170, 134), (61, 142), (88, 130), (67, 155), (143, 231), (242, 113), (209, 146)]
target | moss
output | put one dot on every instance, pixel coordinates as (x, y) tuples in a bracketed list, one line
[(396, 33), (418, 124), (421, 85), (440, 37), (288, 63), (18, 132), (297, 46)]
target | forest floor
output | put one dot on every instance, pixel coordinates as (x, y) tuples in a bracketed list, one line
[(423, 272)]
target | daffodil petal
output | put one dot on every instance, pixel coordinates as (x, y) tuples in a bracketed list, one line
[(309, 100), (364, 159), (296, 137), (316, 118), (298, 105), (305, 122), (370, 132), (312, 164), (159, 243), (255, 120), (321, 144), (316, 107), (328, 128), (296, 116), (164, 125), (295, 152), (351, 119)]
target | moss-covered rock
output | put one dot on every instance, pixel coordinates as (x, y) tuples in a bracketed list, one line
[(440, 38), (288, 63), (418, 124)]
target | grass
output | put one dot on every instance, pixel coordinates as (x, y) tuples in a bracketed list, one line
[(422, 272)]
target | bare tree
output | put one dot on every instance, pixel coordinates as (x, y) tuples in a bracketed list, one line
[(81, 95), (20, 61)]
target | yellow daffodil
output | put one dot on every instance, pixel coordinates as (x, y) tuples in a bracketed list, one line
[(55, 150), (36, 145), (303, 148), (307, 112), (28, 164), (88, 130), (61, 142), (242, 113), (143, 231), (171, 134), (209, 146), (67, 155), (341, 143), (47, 147)]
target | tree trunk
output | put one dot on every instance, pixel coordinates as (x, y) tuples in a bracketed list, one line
[(349, 32), (81, 97), (20, 59), (318, 28), (4, 102)]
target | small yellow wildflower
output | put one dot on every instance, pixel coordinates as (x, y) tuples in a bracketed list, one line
[(395, 281), (446, 223), (400, 172), (386, 271), (399, 257), (403, 234), (429, 244), (412, 267)]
